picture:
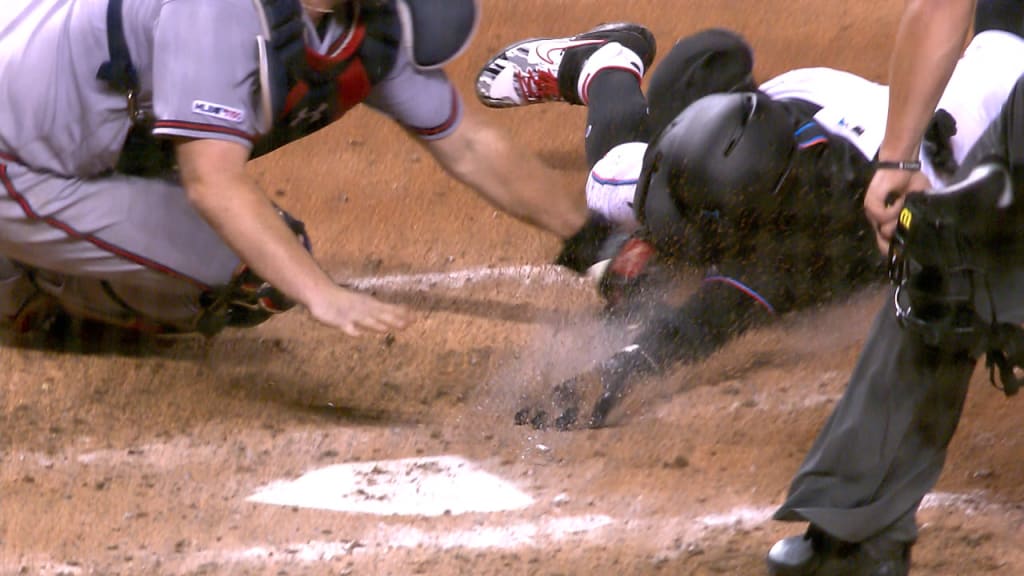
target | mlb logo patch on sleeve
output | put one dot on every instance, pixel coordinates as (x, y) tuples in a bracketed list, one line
[(217, 111)]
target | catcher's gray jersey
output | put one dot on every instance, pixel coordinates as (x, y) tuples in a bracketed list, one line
[(63, 209), (60, 118)]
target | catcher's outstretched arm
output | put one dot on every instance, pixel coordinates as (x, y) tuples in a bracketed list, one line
[(510, 176)]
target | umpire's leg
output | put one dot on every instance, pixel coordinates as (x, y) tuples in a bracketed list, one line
[(885, 443)]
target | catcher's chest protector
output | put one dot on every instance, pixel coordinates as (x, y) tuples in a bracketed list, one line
[(303, 91)]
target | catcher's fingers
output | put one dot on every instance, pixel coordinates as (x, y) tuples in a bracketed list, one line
[(385, 322), (356, 313), (377, 324)]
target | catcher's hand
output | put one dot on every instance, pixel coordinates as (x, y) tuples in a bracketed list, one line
[(600, 388)]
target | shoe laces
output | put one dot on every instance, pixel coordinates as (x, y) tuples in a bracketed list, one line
[(537, 85)]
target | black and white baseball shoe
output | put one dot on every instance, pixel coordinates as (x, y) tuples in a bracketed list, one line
[(560, 69)]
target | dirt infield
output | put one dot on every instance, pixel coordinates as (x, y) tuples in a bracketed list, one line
[(177, 459)]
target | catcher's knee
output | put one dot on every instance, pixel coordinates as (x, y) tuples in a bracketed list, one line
[(247, 300), (42, 300)]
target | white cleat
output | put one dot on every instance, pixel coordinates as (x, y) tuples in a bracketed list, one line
[(548, 69)]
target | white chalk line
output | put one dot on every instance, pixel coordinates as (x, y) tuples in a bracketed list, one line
[(542, 275), (511, 536), (577, 530), (970, 503), (663, 537)]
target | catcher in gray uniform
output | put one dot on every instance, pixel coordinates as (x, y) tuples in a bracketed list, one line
[(126, 131)]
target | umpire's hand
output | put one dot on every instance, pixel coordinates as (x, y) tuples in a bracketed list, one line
[(884, 200)]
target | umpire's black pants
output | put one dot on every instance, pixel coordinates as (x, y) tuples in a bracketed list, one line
[(884, 445)]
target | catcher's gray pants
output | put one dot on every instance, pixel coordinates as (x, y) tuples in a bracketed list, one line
[(112, 247)]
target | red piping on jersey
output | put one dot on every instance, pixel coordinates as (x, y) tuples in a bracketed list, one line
[(9, 158), (102, 244), (817, 140), (180, 125), (447, 124), (744, 289)]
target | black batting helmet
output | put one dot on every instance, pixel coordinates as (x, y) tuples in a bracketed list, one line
[(713, 172)]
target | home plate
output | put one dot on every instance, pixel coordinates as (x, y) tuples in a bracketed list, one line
[(408, 487)]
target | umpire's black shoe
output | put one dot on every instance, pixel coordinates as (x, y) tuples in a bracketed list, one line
[(818, 554)]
